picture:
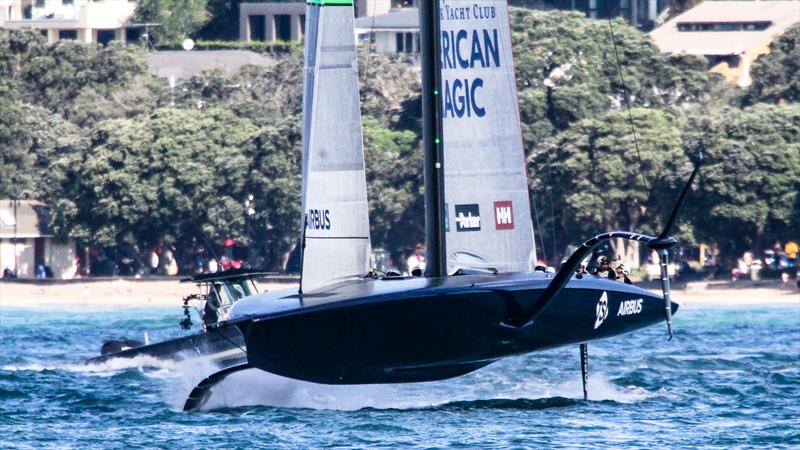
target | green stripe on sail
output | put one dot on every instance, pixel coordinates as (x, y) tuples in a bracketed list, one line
[(330, 2)]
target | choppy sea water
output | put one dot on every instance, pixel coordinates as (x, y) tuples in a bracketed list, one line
[(731, 377)]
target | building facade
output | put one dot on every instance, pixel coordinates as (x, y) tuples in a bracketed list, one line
[(82, 20), (26, 242), (272, 22), (394, 32), (729, 34), (639, 13)]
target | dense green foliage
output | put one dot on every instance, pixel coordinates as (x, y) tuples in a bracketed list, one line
[(129, 164), (174, 19), (749, 189), (567, 71), (595, 175), (776, 75)]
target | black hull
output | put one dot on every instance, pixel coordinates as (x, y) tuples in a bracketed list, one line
[(223, 347), (447, 328)]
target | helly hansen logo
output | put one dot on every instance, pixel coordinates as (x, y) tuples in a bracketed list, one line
[(503, 215), (468, 217)]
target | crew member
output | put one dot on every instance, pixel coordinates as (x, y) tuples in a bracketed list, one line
[(604, 268), (213, 303), (622, 273)]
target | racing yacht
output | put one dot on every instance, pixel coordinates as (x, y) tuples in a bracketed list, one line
[(478, 301)]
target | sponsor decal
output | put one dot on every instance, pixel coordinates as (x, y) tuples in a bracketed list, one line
[(503, 215), (468, 217), (318, 219), (630, 307), (601, 309)]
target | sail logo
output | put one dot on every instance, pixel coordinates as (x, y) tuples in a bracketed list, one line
[(630, 307), (318, 219), (503, 215), (468, 217), (601, 310)]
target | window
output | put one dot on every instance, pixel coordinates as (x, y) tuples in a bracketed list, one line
[(727, 27), (132, 34), (731, 60), (67, 2), (724, 26), (399, 42), (105, 36), (283, 27), (757, 26), (258, 30), (27, 12), (40, 3), (68, 34), (302, 24)]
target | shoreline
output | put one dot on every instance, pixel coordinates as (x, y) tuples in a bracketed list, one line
[(169, 292)]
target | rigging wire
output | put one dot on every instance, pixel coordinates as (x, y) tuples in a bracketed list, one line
[(538, 226), (625, 95), (369, 47)]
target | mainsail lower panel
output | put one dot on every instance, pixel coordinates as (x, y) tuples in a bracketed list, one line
[(337, 243), (486, 191)]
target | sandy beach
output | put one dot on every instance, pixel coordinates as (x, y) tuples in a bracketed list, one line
[(169, 292), (112, 293)]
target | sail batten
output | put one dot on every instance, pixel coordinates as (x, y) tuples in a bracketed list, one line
[(335, 213)]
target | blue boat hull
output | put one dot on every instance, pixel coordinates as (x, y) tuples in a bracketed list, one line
[(412, 330)]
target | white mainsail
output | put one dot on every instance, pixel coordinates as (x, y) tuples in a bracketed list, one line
[(335, 213), (488, 221)]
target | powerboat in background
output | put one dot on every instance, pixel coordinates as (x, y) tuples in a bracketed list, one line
[(217, 293)]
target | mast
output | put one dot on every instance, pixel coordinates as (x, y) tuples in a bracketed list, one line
[(431, 137)]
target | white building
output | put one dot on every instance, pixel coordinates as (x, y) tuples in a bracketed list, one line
[(83, 20), (26, 241), (729, 34), (286, 21), (394, 32)]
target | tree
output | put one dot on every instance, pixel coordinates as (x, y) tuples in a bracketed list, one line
[(273, 179), (174, 176), (16, 161), (748, 187), (395, 188), (55, 76), (567, 71), (53, 141), (594, 176), (176, 19), (776, 75)]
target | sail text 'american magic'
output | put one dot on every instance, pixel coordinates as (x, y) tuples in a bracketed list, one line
[(466, 50)]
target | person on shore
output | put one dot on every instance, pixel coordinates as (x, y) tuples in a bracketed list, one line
[(791, 248), (416, 262), (776, 255)]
